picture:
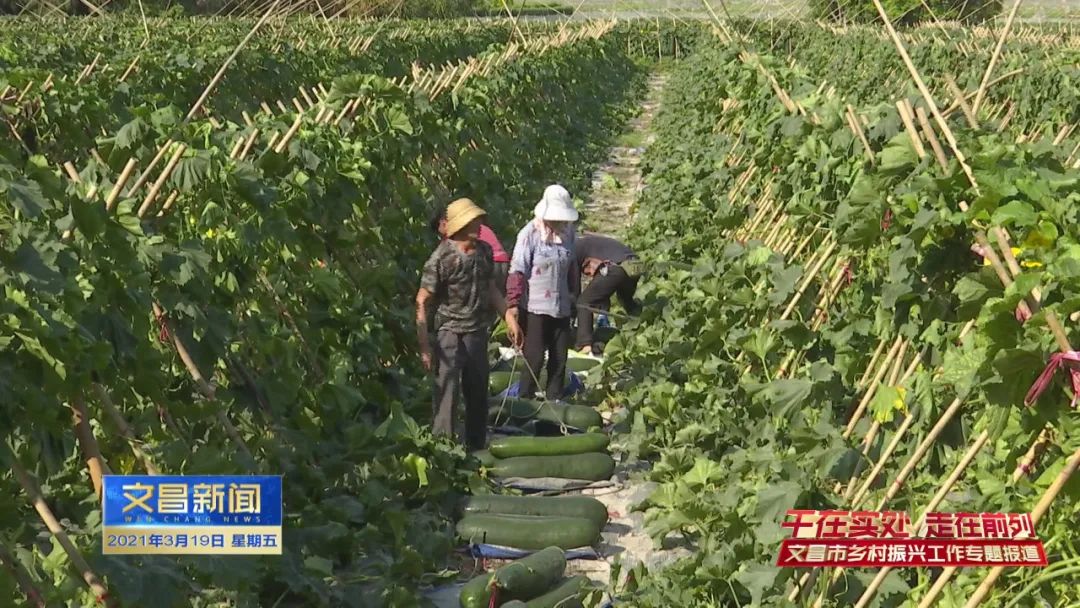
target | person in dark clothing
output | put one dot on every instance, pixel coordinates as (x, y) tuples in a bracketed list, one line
[(459, 279), (614, 270), (487, 235)]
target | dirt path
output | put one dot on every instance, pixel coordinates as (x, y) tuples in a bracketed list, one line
[(616, 185), (608, 210)]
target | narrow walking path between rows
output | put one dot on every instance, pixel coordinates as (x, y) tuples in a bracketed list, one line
[(608, 210), (616, 186)]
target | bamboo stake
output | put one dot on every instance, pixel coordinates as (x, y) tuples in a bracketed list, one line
[(879, 375), (145, 175), (873, 361), (853, 124), (49, 519), (1040, 509), (289, 134), (165, 173), (907, 116), (825, 301), (114, 194), (88, 444), (129, 69), (86, 71), (968, 457), (870, 435), (959, 95), (202, 385), (931, 137), (993, 58), (22, 577), (807, 280), (168, 203), (125, 430), (941, 123), (225, 66), (894, 373), (920, 451), (248, 144)]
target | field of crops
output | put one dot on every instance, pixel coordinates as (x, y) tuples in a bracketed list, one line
[(863, 250)]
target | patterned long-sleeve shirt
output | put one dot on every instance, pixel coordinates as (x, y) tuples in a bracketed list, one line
[(543, 272)]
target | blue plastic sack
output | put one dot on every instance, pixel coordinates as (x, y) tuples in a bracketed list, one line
[(478, 550), (573, 387)]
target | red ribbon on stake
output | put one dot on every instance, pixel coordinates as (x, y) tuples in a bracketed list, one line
[(163, 328), (1068, 360), (886, 220)]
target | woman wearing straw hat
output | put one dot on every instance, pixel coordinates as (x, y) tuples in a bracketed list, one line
[(459, 278), (543, 281)]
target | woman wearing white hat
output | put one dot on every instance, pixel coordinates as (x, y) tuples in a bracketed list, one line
[(543, 281)]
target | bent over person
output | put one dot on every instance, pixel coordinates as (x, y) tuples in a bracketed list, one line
[(614, 270), (459, 278)]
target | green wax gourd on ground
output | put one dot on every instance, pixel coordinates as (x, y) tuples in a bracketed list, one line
[(485, 457), (590, 467), (573, 364), (525, 578), (582, 443), (528, 532), (560, 506), (500, 381), (581, 364), (516, 410), (566, 595)]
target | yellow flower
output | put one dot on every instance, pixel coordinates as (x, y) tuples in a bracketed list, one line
[(900, 403), (209, 233), (1016, 251)]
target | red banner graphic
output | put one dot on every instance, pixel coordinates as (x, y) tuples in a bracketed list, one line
[(899, 553)]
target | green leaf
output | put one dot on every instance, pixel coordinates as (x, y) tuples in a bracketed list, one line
[(887, 401), (320, 565), (89, 216), (759, 342), (970, 290), (399, 121), (32, 344), (774, 501), (898, 154), (703, 472), (1014, 213), (130, 133), (784, 282), (1022, 286), (785, 394), (758, 256), (26, 196), (757, 578), (418, 465)]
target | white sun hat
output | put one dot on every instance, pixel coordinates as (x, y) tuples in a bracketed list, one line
[(556, 206)]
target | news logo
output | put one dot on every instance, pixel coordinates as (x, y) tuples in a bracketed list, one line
[(853, 539), (192, 514)]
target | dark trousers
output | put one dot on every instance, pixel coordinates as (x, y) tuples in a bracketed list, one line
[(550, 336), (461, 360), (598, 295)]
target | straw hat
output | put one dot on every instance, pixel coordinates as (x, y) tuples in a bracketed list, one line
[(460, 213), (556, 206)]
